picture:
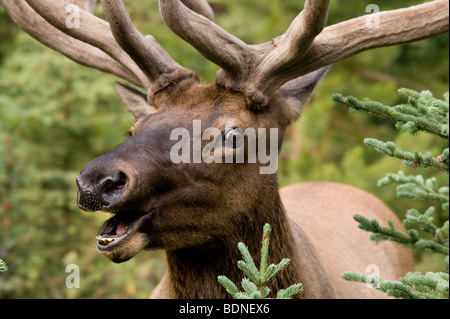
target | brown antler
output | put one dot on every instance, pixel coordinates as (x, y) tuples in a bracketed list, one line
[(35, 25), (260, 70), (201, 7), (145, 52), (287, 50), (116, 47), (210, 40), (257, 70), (350, 37)]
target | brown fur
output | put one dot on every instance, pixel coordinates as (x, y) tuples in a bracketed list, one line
[(201, 211)]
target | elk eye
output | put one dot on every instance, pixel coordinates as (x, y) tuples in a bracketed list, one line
[(234, 137)]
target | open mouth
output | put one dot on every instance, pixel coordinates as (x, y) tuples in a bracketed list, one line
[(119, 229)]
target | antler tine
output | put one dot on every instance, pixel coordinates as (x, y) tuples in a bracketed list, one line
[(36, 26), (151, 58), (201, 7), (92, 31), (214, 43), (242, 65), (302, 31), (287, 50), (351, 37), (125, 52), (256, 70), (260, 70)]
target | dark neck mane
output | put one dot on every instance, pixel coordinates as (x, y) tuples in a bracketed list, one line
[(194, 271)]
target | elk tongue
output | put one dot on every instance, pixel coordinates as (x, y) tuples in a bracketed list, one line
[(121, 229), (115, 227)]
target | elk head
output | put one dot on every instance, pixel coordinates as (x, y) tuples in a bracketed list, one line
[(161, 203)]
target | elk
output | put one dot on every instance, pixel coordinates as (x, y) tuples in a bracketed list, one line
[(198, 212)]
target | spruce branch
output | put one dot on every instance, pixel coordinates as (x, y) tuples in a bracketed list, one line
[(289, 292), (247, 265), (3, 266), (414, 219), (228, 285), (255, 284), (410, 239), (413, 286), (421, 113), (416, 187), (413, 160), (381, 233)]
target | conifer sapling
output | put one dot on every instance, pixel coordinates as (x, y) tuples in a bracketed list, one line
[(255, 284)]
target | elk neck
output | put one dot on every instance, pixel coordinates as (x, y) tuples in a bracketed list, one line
[(193, 271)]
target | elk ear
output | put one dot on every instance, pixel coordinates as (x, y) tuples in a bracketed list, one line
[(135, 101), (298, 91)]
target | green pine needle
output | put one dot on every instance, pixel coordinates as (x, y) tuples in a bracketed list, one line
[(249, 287), (289, 292), (411, 239), (250, 265), (3, 266), (416, 187), (265, 248), (228, 285), (275, 269), (248, 271)]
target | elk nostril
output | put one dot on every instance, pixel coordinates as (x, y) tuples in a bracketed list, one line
[(97, 194), (112, 184), (120, 184)]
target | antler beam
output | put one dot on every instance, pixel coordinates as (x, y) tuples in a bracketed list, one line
[(287, 50), (117, 47), (148, 55), (92, 30), (342, 40), (257, 70), (351, 37), (260, 70), (214, 43), (239, 61), (398, 26), (201, 7), (35, 25)]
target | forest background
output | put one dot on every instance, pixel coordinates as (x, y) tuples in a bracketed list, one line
[(55, 116)]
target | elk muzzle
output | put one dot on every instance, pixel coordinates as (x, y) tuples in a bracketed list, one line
[(100, 190), (103, 185)]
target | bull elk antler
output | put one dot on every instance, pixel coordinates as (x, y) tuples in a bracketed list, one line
[(117, 48), (257, 70), (306, 46)]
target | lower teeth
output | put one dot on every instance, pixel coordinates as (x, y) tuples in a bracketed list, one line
[(104, 241)]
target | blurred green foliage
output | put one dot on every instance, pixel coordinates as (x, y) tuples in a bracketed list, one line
[(57, 115)]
